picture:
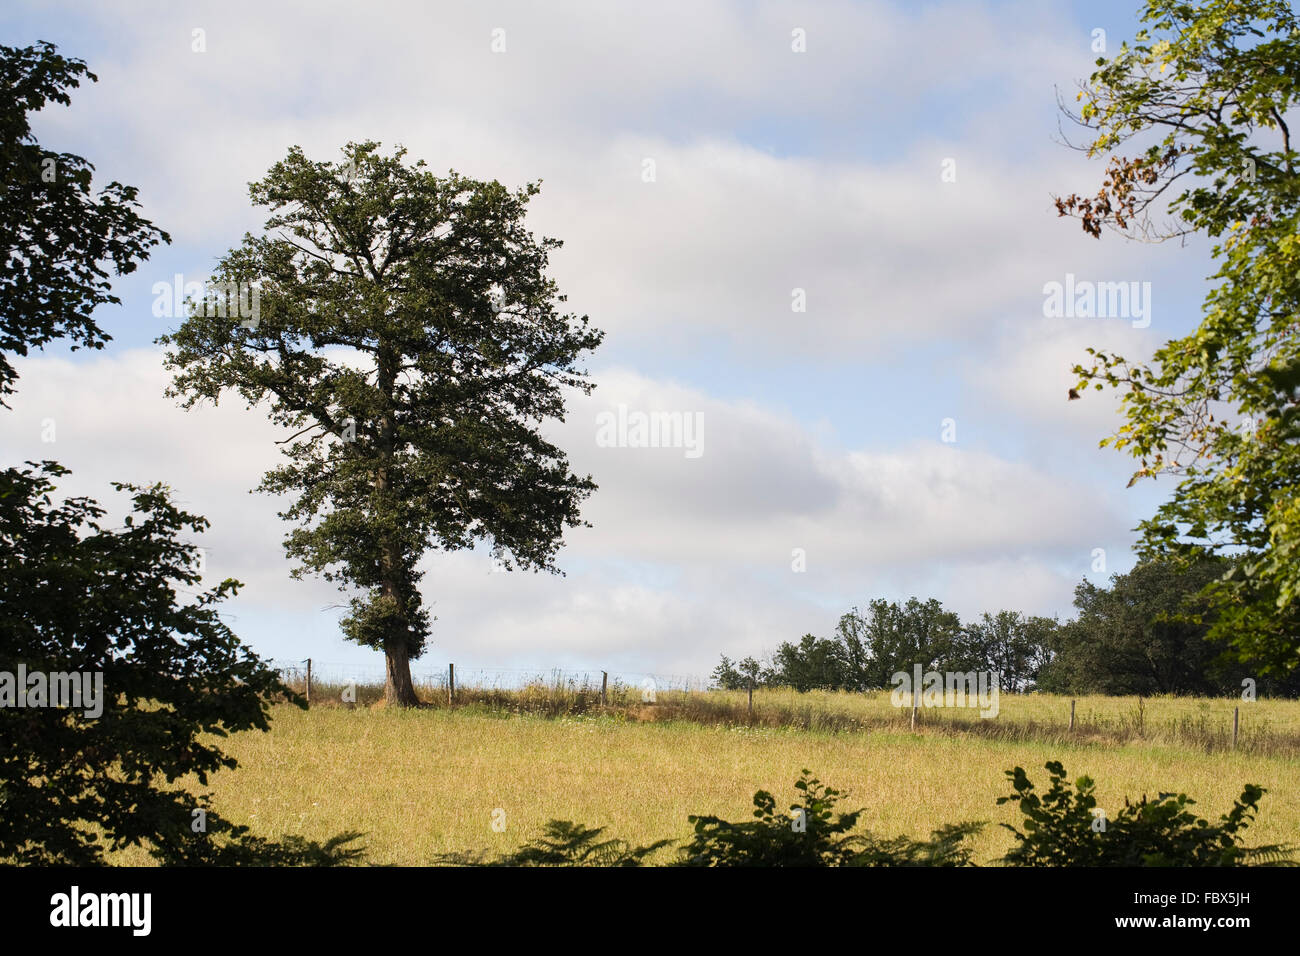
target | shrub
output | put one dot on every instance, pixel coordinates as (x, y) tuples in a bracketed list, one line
[(813, 834), (1061, 828), (564, 844)]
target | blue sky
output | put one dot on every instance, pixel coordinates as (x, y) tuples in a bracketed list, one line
[(775, 170)]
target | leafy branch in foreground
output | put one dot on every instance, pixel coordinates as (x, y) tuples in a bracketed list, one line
[(1065, 827), (91, 616), (60, 237), (172, 679), (1203, 96), (812, 833), (564, 844)]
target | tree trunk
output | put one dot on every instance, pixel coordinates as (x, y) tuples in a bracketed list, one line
[(398, 689)]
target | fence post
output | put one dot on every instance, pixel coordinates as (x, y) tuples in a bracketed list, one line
[(751, 700), (309, 682), (1072, 715), (1236, 718), (604, 685), (451, 684), (916, 691)]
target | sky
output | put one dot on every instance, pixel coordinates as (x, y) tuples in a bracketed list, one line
[(823, 231)]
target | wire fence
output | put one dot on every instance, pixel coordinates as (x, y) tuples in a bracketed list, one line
[(566, 692), (492, 678)]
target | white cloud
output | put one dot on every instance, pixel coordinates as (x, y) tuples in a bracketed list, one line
[(1030, 372), (686, 556), (775, 171), (883, 248)]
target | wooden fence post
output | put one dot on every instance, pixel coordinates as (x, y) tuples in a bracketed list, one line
[(1236, 719), (1072, 715), (451, 684), (309, 682), (751, 700), (604, 685)]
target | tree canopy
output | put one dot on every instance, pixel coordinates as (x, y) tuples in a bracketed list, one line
[(59, 236), (1150, 633), (1203, 97)]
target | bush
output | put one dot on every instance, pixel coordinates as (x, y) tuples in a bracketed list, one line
[(1062, 828), (565, 844), (813, 834)]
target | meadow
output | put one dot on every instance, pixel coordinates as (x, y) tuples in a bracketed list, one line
[(419, 783)]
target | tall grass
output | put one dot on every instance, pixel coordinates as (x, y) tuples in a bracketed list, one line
[(420, 783), (1267, 727)]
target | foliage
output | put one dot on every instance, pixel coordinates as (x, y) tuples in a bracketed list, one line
[(897, 637), (1153, 630), (739, 675), (1061, 828), (564, 844), (868, 648), (230, 845), (408, 333), (813, 663), (1203, 94), (49, 207), (946, 847), (79, 598), (1012, 645), (1148, 634), (812, 833), (776, 838)]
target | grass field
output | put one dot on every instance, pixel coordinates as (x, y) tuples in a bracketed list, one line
[(423, 782)]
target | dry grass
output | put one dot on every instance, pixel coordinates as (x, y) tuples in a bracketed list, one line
[(1267, 727), (427, 781)]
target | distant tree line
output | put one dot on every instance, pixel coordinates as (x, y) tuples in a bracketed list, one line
[(1145, 634)]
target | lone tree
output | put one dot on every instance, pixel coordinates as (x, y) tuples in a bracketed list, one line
[(1203, 97), (408, 334)]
